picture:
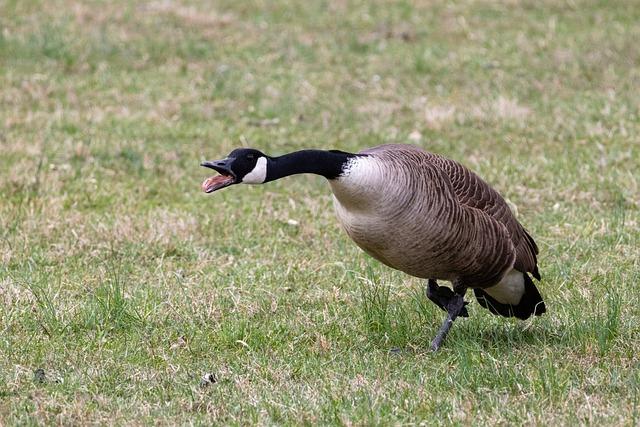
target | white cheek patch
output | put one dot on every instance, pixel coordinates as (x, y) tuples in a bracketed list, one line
[(258, 174)]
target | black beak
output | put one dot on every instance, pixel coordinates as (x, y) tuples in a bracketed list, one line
[(221, 166), (225, 178)]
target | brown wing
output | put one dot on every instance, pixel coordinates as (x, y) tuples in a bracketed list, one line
[(472, 191)]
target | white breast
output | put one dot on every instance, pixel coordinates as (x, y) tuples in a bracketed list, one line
[(376, 206), (363, 199), (357, 196), (361, 184)]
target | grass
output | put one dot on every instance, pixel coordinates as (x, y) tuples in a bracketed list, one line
[(125, 284)]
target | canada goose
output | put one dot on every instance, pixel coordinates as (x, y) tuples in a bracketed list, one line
[(417, 212)]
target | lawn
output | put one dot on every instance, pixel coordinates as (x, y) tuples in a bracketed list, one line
[(122, 284)]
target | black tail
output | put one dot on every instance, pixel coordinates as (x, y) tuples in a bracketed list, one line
[(531, 302)]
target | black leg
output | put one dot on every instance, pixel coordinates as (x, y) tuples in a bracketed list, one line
[(432, 293), (454, 308), (441, 296)]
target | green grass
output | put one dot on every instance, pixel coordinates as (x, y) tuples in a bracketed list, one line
[(126, 284)]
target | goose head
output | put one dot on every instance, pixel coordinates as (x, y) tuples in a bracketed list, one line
[(241, 166)]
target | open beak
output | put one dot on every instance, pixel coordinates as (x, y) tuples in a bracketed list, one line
[(216, 182)]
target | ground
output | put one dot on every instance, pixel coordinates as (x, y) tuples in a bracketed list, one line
[(122, 284)]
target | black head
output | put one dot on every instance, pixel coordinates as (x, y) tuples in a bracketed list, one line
[(242, 165)]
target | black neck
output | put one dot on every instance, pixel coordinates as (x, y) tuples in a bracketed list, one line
[(326, 163)]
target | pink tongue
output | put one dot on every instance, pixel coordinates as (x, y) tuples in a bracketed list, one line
[(211, 182)]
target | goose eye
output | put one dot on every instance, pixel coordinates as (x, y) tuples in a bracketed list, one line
[(251, 156)]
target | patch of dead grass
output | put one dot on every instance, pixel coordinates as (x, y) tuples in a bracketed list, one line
[(13, 294), (191, 16)]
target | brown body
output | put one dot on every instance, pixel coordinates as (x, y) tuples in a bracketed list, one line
[(431, 217)]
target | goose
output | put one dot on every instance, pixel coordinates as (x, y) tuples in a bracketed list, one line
[(417, 212)]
